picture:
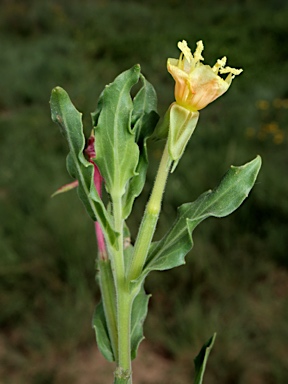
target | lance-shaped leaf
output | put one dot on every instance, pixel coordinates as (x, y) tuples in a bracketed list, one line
[(117, 152), (200, 361), (139, 313), (144, 120), (69, 119), (101, 331), (170, 251)]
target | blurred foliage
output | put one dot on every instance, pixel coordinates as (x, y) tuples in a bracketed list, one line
[(236, 278)]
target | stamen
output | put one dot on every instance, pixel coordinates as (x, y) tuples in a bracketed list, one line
[(182, 45), (199, 49), (181, 61), (234, 71), (219, 65)]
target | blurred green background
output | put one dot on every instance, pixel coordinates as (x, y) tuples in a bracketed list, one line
[(236, 278)]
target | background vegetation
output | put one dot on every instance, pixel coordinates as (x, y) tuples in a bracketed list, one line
[(236, 278)]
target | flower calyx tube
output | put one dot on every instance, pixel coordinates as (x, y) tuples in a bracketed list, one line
[(182, 123)]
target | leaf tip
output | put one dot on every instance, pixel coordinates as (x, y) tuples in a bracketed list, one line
[(55, 90), (259, 159)]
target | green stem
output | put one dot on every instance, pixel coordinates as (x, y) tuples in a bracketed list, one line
[(124, 301), (121, 380), (150, 218), (118, 255), (123, 373)]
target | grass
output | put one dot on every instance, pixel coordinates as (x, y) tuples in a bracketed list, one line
[(235, 280)]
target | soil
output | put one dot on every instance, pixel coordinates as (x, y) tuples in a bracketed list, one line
[(85, 366), (89, 367)]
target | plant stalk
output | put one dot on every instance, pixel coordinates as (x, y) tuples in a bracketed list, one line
[(124, 301), (150, 218)]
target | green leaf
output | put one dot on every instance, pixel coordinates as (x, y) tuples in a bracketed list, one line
[(144, 120), (117, 153), (101, 331), (170, 251), (139, 313), (201, 360), (144, 116), (69, 119)]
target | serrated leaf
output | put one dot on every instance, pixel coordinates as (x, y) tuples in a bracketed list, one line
[(101, 331), (144, 120), (69, 119), (139, 313), (116, 150), (170, 251), (200, 361)]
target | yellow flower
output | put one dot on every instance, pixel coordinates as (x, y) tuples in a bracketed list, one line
[(196, 84)]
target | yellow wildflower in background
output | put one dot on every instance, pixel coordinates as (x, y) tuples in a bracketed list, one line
[(279, 137), (262, 104), (272, 127), (280, 103), (196, 84)]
